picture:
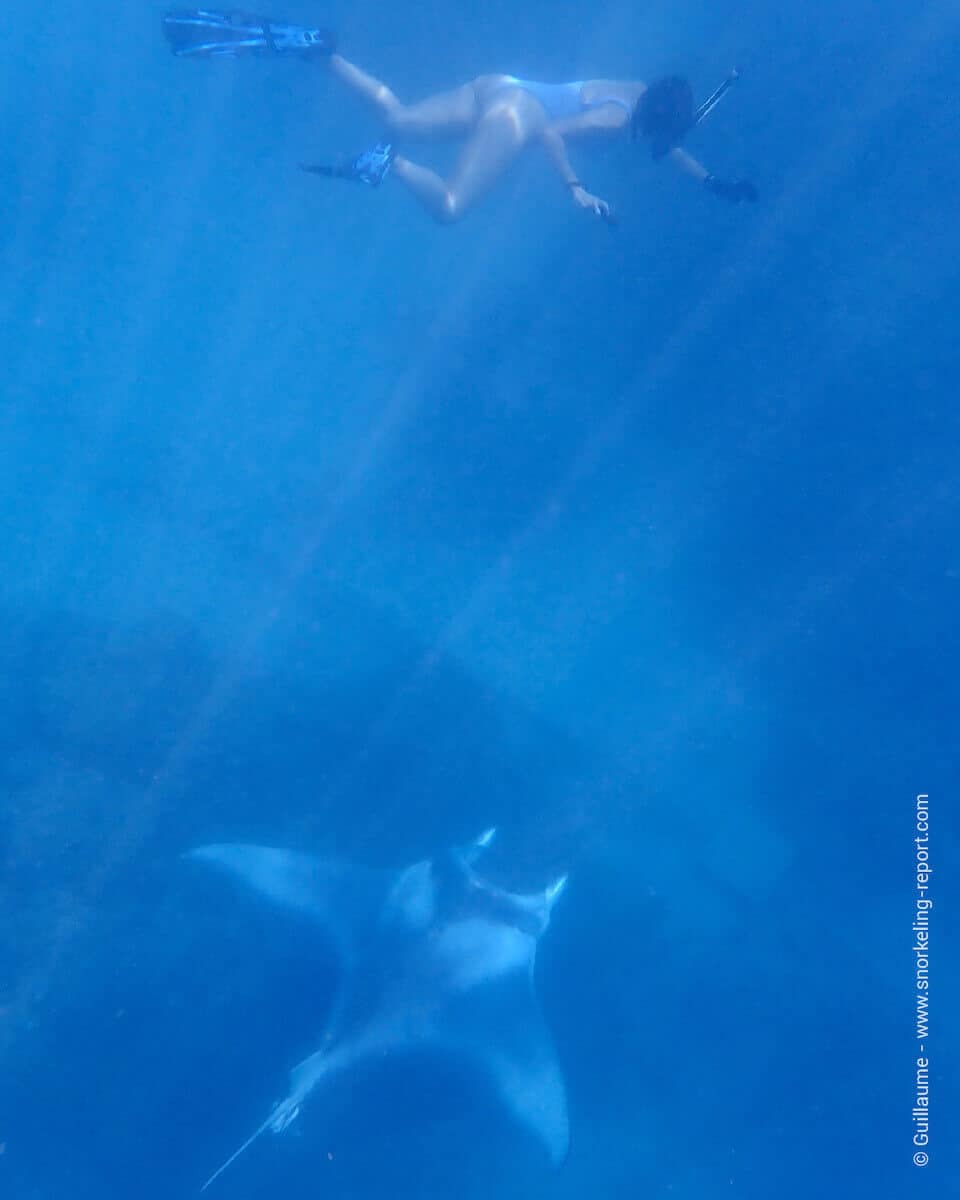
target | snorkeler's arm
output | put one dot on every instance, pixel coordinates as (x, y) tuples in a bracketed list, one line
[(556, 150), (603, 119), (688, 164), (734, 190)]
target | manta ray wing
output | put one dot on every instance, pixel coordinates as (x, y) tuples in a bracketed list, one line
[(345, 899), (516, 1050), (493, 1019)]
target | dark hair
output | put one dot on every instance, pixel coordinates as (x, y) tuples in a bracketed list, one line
[(664, 114)]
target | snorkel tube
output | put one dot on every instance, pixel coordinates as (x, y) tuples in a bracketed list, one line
[(711, 102)]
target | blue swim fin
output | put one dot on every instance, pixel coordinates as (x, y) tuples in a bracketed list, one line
[(369, 166), (210, 33)]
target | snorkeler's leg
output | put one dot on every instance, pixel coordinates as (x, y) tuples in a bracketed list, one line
[(448, 113), (366, 87), (487, 154), (496, 141), (509, 123), (425, 185)]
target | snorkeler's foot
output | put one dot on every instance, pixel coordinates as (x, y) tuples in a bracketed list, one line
[(369, 166), (308, 43), (210, 33)]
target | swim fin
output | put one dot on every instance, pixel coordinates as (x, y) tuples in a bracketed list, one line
[(369, 166), (210, 33)]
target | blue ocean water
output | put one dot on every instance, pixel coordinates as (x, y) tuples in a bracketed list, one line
[(329, 528)]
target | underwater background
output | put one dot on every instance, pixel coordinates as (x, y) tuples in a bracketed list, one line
[(327, 528)]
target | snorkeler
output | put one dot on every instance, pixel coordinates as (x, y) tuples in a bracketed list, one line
[(497, 116)]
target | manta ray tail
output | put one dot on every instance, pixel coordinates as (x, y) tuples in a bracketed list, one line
[(278, 1120)]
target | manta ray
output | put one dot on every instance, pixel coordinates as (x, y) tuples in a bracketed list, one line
[(432, 957)]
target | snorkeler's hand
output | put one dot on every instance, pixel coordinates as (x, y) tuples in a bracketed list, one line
[(735, 190), (599, 208)]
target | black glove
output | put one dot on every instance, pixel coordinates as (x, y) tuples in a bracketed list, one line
[(735, 190)]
